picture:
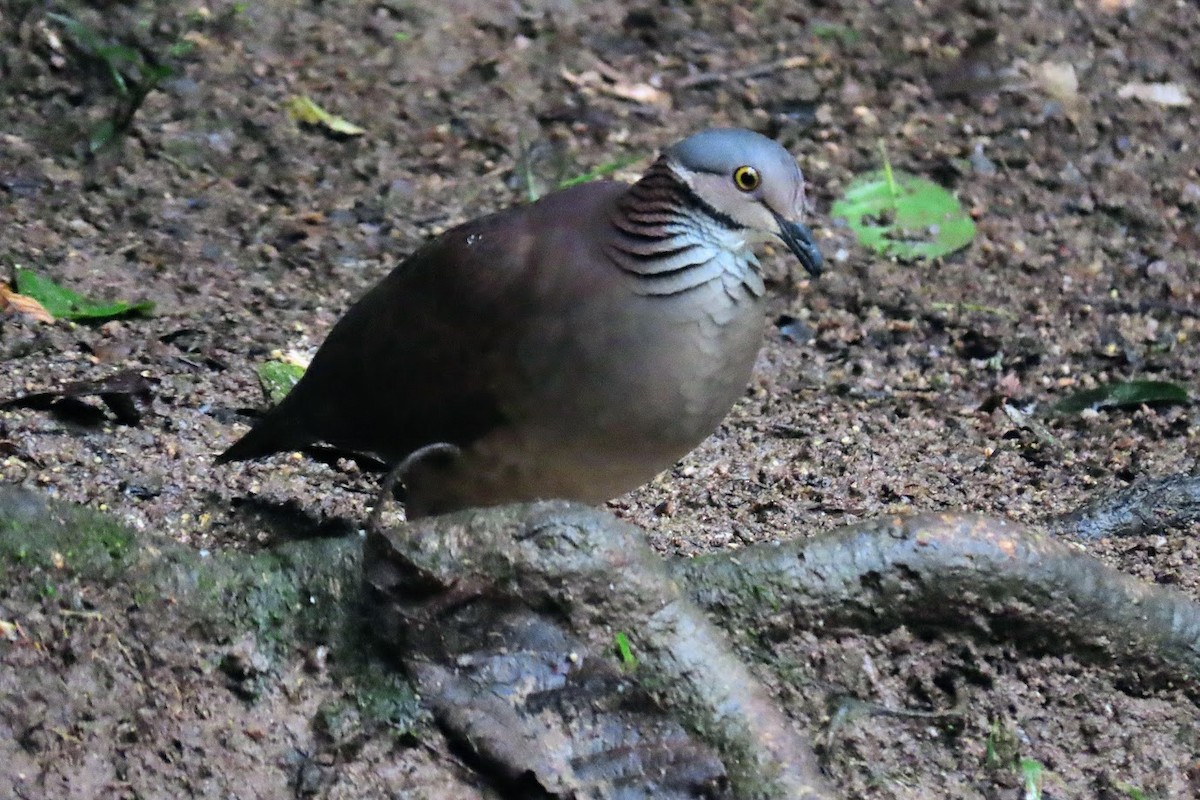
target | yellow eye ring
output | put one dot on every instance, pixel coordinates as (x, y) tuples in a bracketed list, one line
[(746, 178)]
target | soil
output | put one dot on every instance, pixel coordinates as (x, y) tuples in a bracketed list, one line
[(879, 389)]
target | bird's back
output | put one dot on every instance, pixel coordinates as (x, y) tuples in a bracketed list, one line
[(426, 354)]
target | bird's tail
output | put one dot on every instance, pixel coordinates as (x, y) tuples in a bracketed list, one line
[(272, 433)]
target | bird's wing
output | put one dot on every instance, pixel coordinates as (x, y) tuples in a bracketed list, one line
[(426, 355)]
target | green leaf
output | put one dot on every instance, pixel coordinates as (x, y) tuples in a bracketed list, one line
[(66, 304), (1122, 394), (904, 216), (834, 32), (82, 33), (156, 74), (625, 651), (114, 56), (181, 48), (278, 378), (1031, 776), (101, 135), (599, 172), (1132, 791)]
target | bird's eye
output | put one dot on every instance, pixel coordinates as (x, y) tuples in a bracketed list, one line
[(746, 178)]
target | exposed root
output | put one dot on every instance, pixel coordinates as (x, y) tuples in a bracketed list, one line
[(997, 578), (589, 576), (1146, 507), (506, 620)]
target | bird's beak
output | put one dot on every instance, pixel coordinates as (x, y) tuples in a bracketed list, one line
[(799, 240)]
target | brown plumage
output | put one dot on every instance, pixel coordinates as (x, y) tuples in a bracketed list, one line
[(571, 348)]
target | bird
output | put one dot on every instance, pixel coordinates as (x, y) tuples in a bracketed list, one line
[(569, 348)]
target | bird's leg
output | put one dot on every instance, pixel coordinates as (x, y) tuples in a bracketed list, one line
[(402, 469), (429, 596)]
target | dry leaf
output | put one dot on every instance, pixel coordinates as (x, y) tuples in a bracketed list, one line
[(1059, 81), (198, 39), (753, 71), (23, 304), (127, 393), (639, 93), (624, 90), (10, 631), (1160, 94), (302, 109)]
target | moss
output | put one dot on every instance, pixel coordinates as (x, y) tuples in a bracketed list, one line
[(76, 541), (300, 594), (290, 599), (81, 541), (375, 699), (386, 699)]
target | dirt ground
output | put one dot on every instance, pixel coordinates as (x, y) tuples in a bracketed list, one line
[(252, 235)]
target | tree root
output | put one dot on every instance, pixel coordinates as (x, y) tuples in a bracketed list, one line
[(593, 577), (1146, 507), (506, 620), (998, 579)]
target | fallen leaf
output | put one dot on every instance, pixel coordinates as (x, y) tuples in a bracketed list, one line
[(198, 39), (638, 93), (63, 303), (23, 304), (123, 392), (1121, 395), (1160, 94), (10, 631), (1059, 81), (302, 109), (1026, 421), (278, 378), (697, 79), (624, 90), (904, 216)]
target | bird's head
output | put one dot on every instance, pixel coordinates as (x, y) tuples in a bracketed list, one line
[(749, 182)]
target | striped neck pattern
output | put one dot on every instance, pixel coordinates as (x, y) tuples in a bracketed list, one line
[(670, 242)]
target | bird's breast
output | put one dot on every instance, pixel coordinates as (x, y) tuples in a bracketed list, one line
[(603, 389), (639, 371)]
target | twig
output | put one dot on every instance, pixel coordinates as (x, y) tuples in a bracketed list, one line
[(1144, 307), (93, 615), (722, 76)]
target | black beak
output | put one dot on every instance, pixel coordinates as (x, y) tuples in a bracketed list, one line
[(799, 240)]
